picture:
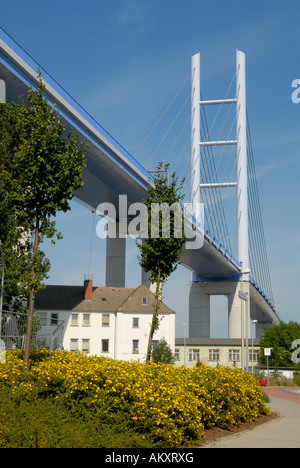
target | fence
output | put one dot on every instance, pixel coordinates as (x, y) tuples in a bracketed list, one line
[(45, 332)]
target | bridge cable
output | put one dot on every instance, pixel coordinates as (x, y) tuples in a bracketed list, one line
[(162, 116), (257, 251)]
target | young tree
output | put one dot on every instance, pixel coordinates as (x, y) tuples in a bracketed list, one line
[(161, 250), (163, 353), (40, 170), (14, 227)]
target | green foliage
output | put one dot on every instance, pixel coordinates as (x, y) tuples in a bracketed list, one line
[(152, 404), (161, 250), (280, 339), (160, 255), (163, 353), (49, 424), (40, 169)]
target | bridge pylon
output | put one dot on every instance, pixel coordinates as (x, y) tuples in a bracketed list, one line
[(201, 288)]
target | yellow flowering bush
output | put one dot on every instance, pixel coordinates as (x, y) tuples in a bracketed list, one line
[(170, 405)]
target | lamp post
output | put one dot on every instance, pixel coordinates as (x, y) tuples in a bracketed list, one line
[(252, 336), (244, 298), (184, 343)]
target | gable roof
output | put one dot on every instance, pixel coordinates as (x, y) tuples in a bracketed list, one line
[(105, 299)]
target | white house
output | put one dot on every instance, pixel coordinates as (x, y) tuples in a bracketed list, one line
[(102, 321)]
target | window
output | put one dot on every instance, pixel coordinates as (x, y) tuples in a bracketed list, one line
[(105, 346), (105, 320), (144, 301), (135, 346), (74, 344), (234, 355), (255, 356), (74, 320), (194, 354), (214, 355), (177, 355), (85, 345), (135, 322), (86, 320), (54, 319), (154, 344)]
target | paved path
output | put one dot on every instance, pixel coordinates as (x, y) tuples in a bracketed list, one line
[(282, 432)]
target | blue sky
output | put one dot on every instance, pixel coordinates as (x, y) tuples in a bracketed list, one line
[(124, 60)]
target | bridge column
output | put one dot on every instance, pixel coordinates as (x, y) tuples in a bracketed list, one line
[(199, 307), (261, 328), (242, 178), (199, 311), (235, 307), (146, 281), (2, 91), (115, 260)]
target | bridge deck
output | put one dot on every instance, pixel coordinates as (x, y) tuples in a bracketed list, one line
[(111, 170)]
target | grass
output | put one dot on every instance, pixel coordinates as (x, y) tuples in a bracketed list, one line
[(48, 424)]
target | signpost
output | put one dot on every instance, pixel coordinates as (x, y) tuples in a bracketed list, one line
[(267, 353)]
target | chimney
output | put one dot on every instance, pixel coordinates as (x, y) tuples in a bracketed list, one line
[(88, 289)]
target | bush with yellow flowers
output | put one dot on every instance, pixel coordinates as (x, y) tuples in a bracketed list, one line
[(170, 405)]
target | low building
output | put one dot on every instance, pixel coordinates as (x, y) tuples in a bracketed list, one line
[(214, 352), (101, 321)]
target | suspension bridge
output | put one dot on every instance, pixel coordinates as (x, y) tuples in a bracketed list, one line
[(212, 149)]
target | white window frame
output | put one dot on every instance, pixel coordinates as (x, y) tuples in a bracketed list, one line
[(85, 345), (135, 346), (74, 319), (88, 321), (73, 344)]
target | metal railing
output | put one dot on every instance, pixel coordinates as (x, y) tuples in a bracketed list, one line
[(46, 334)]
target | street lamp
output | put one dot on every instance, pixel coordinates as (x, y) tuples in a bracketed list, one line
[(184, 343), (252, 336), (244, 298)]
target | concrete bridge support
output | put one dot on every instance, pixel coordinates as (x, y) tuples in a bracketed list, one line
[(199, 307), (115, 258)]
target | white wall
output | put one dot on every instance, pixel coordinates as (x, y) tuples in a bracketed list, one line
[(120, 332)]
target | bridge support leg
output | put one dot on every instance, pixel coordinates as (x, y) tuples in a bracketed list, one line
[(199, 307), (235, 309), (115, 261), (2, 91), (199, 311), (146, 281)]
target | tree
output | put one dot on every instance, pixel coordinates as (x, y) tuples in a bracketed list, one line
[(280, 339), (161, 250), (163, 353), (14, 227), (41, 168)]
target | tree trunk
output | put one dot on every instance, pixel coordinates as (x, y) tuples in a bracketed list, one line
[(155, 323), (32, 295)]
